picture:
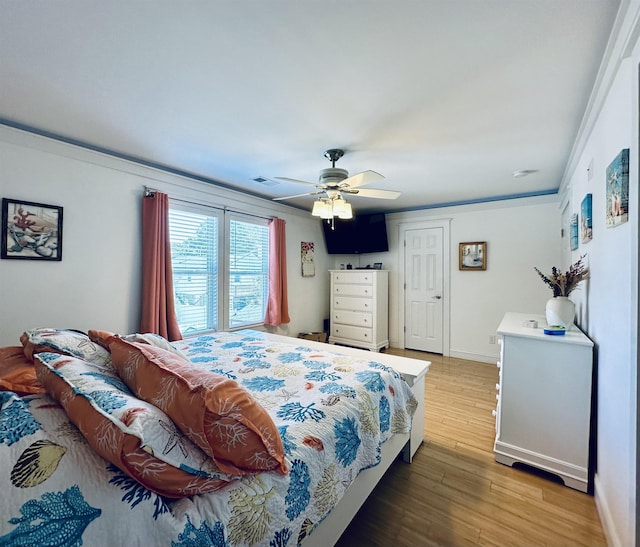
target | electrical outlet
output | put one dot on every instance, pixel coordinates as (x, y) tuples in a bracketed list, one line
[(492, 338)]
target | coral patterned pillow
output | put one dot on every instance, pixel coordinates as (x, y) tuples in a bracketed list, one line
[(65, 342), (102, 337), (215, 412), (133, 435)]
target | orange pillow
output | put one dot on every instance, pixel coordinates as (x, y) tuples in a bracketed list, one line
[(78, 393), (17, 373), (216, 413), (100, 337)]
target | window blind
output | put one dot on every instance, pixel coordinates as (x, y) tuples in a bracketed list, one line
[(194, 256), (196, 238)]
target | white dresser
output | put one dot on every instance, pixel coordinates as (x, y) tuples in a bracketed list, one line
[(360, 308), (544, 399)]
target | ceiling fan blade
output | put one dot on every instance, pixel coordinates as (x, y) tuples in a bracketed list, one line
[(373, 193), (299, 195), (286, 179), (360, 179)]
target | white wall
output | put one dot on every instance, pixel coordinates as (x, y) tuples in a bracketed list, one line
[(608, 309), (97, 283), (520, 234)]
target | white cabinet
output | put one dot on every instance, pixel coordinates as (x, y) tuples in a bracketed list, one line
[(544, 399), (360, 308)]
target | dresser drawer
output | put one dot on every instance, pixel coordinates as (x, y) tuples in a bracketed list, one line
[(361, 334), (351, 303), (356, 318), (352, 290), (353, 277)]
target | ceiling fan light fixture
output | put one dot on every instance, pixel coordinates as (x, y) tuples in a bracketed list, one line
[(322, 209), (339, 206), (347, 213), (333, 183)]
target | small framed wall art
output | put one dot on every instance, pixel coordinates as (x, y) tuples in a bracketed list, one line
[(307, 257), (618, 190), (31, 231), (586, 219), (573, 232), (473, 255)]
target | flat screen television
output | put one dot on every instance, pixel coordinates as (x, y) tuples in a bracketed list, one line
[(359, 235)]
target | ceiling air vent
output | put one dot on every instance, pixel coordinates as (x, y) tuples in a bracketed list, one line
[(265, 182)]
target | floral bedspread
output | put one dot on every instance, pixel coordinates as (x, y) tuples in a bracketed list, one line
[(333, 413)]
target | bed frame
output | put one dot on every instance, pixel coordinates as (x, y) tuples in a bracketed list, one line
[(413, 371)]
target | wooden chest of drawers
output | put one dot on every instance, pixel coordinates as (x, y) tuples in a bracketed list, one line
[(360, 308)]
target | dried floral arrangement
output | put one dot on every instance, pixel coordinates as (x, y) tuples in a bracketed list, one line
[(564, 283)]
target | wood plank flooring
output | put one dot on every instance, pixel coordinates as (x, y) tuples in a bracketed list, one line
[(455, 493)]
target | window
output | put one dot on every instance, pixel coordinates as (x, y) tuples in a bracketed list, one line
[(194, 258), (248, 272), (211, 293)]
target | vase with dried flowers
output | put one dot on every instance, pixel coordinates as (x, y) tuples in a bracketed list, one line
[(559, 309)]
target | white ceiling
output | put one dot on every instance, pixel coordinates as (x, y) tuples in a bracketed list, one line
[(446, 98)]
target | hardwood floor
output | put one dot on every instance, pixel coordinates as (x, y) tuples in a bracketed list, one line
[(455, 493)]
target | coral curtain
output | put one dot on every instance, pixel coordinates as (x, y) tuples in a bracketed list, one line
[(277, 303), (158, 308)]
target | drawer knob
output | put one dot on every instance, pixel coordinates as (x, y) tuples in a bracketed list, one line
[(494, 413)]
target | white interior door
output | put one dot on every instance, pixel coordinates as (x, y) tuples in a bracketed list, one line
[(424, 289)]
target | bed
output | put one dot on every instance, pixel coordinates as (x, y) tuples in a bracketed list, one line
[(342, 416)]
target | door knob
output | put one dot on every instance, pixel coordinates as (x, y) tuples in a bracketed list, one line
[(437, 297)]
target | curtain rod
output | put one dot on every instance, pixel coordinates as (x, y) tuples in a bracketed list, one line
[(151, 192)]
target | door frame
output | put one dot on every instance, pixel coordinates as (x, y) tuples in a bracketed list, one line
[(403, 227)]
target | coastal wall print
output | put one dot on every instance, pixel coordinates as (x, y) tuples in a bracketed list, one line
[(573, 232), (31, 231), (586, 219), (307, 254), (618, 190), (473, 256)]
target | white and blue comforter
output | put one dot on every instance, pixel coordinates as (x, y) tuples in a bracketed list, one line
[(333, 413)]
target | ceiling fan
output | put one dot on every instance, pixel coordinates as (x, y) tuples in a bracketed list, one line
[(334, 182)]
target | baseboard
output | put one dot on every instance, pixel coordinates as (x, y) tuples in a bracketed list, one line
[(474, 356), (606, 519)]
